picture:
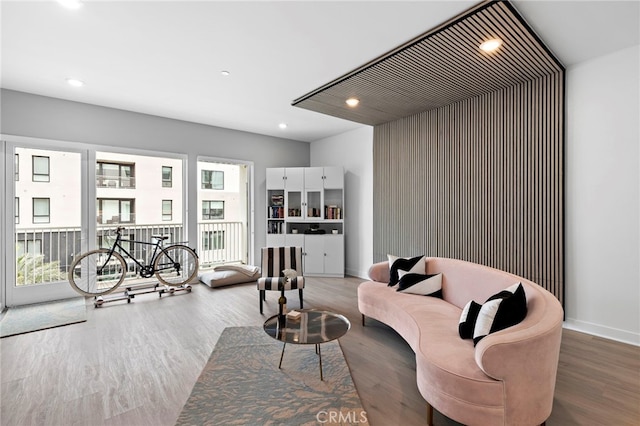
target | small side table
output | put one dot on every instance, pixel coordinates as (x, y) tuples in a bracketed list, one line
[(310, 328)]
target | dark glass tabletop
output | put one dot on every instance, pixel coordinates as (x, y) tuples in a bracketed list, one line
[(311, 327)]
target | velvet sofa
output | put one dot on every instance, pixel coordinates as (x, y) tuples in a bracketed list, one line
[(508, 378)]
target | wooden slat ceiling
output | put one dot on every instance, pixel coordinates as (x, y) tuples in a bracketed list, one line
[(440, 67)]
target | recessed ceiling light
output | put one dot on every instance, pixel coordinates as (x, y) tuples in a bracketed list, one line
[(70, 4), (75, 82), (282, 125), (352, 102), (491, 45), (225, 73)]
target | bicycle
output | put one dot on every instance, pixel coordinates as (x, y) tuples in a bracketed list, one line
[(101, 271)]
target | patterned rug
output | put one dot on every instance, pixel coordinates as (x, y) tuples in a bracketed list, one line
[(28, 318), (242, 385)]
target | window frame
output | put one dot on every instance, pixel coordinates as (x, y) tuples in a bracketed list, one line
[(132, 210), (120, 178), (170, 214), (33, 211), (33, 169), (167, 183), (210, 209), (211, 182)]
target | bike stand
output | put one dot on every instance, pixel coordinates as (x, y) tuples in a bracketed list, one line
[(132, 291)]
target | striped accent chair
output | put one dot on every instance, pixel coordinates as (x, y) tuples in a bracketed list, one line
[(274, 261)]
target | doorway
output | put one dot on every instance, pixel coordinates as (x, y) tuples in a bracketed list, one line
[(224, 212)]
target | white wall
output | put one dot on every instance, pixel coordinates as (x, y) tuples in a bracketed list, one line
[(602, 196), (353, 150)]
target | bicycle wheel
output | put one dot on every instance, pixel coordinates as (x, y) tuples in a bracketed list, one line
[(95, 272), (176, 265)]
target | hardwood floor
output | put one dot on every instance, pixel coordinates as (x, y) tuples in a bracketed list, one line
[(135, 364)]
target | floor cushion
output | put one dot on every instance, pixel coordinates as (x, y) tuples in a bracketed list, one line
[(223, 275)]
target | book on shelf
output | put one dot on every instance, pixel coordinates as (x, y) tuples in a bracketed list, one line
[(275, 227), (276, 212), (332, 212)]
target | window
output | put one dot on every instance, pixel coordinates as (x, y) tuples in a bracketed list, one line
[(17, 166), (33, 247), (115, 210), (212, 210), (212, 179), (167, 177), (40, 168), (17, 210), (212, 240), (41, 207), (167, 209), (115, 175)]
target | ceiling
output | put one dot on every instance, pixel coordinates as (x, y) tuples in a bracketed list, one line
[(165, 57), (442, 67)]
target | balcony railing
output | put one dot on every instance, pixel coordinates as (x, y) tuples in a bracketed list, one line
[(44, 255), (106, 181), (221, 242)]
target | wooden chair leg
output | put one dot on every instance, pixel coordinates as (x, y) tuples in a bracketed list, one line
[(429, 415), (300, 293)]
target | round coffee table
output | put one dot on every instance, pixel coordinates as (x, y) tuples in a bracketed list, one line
[(311, 327)]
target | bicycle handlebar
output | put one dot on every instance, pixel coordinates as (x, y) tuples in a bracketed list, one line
[(119, 229)]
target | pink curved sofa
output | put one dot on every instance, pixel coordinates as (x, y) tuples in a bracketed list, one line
[(507, 379)]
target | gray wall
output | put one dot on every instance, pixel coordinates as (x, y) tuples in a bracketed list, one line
[(24, 114)]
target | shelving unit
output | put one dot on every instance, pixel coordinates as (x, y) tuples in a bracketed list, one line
[(305, 208)]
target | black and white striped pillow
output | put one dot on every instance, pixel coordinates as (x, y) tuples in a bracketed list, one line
[(502, 310), (468, 319), (399, 266), (426, 285)]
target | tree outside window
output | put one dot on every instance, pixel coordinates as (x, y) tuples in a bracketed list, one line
[(212, 179), (212, 210)]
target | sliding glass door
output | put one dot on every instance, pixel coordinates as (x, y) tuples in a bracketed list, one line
[(69, 198), (45, 186), (223, 212)]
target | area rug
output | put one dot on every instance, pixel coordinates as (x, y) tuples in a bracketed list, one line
[(242, 385), (28, 318)]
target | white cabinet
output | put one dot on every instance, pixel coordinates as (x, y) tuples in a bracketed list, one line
[(324, 255), (306, 209)]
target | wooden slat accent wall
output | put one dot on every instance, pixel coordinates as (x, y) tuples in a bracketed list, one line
[(480, 180), (438, 68)]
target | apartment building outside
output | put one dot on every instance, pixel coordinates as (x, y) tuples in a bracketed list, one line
[(143, 194)]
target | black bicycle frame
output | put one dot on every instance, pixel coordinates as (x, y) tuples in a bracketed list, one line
[(157, 248)]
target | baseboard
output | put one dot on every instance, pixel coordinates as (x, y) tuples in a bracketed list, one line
[(616, 334), (357, 273)]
